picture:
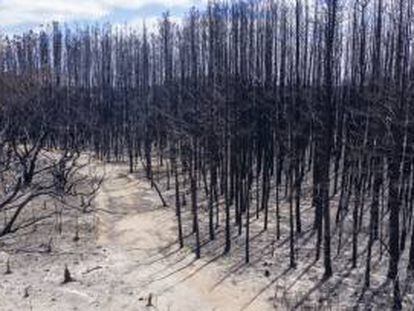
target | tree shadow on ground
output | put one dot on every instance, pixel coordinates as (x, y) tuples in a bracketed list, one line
[(273, 281), (306, 296), (190, 275)]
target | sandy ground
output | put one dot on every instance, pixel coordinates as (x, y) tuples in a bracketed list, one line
[(144, 254), (128, 252), (132, 257)]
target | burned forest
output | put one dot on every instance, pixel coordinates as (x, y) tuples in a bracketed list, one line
[(278, 133)]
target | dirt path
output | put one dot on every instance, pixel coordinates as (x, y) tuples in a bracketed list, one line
[(144, 257)]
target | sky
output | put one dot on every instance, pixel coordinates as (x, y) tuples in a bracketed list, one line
[(17, 16)]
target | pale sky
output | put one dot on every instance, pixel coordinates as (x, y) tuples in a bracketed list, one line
[(21, 15)]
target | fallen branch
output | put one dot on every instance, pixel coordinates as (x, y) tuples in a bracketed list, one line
[(92, 269)]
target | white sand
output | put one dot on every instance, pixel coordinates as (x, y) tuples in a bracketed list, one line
[(134, 255)]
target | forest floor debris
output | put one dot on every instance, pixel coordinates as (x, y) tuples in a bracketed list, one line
[(127, 258)]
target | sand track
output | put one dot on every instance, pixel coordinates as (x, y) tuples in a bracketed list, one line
[(127, 251), (141, 237)]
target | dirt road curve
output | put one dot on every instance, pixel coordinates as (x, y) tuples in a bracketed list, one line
[(140, 235), (127, 253)]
